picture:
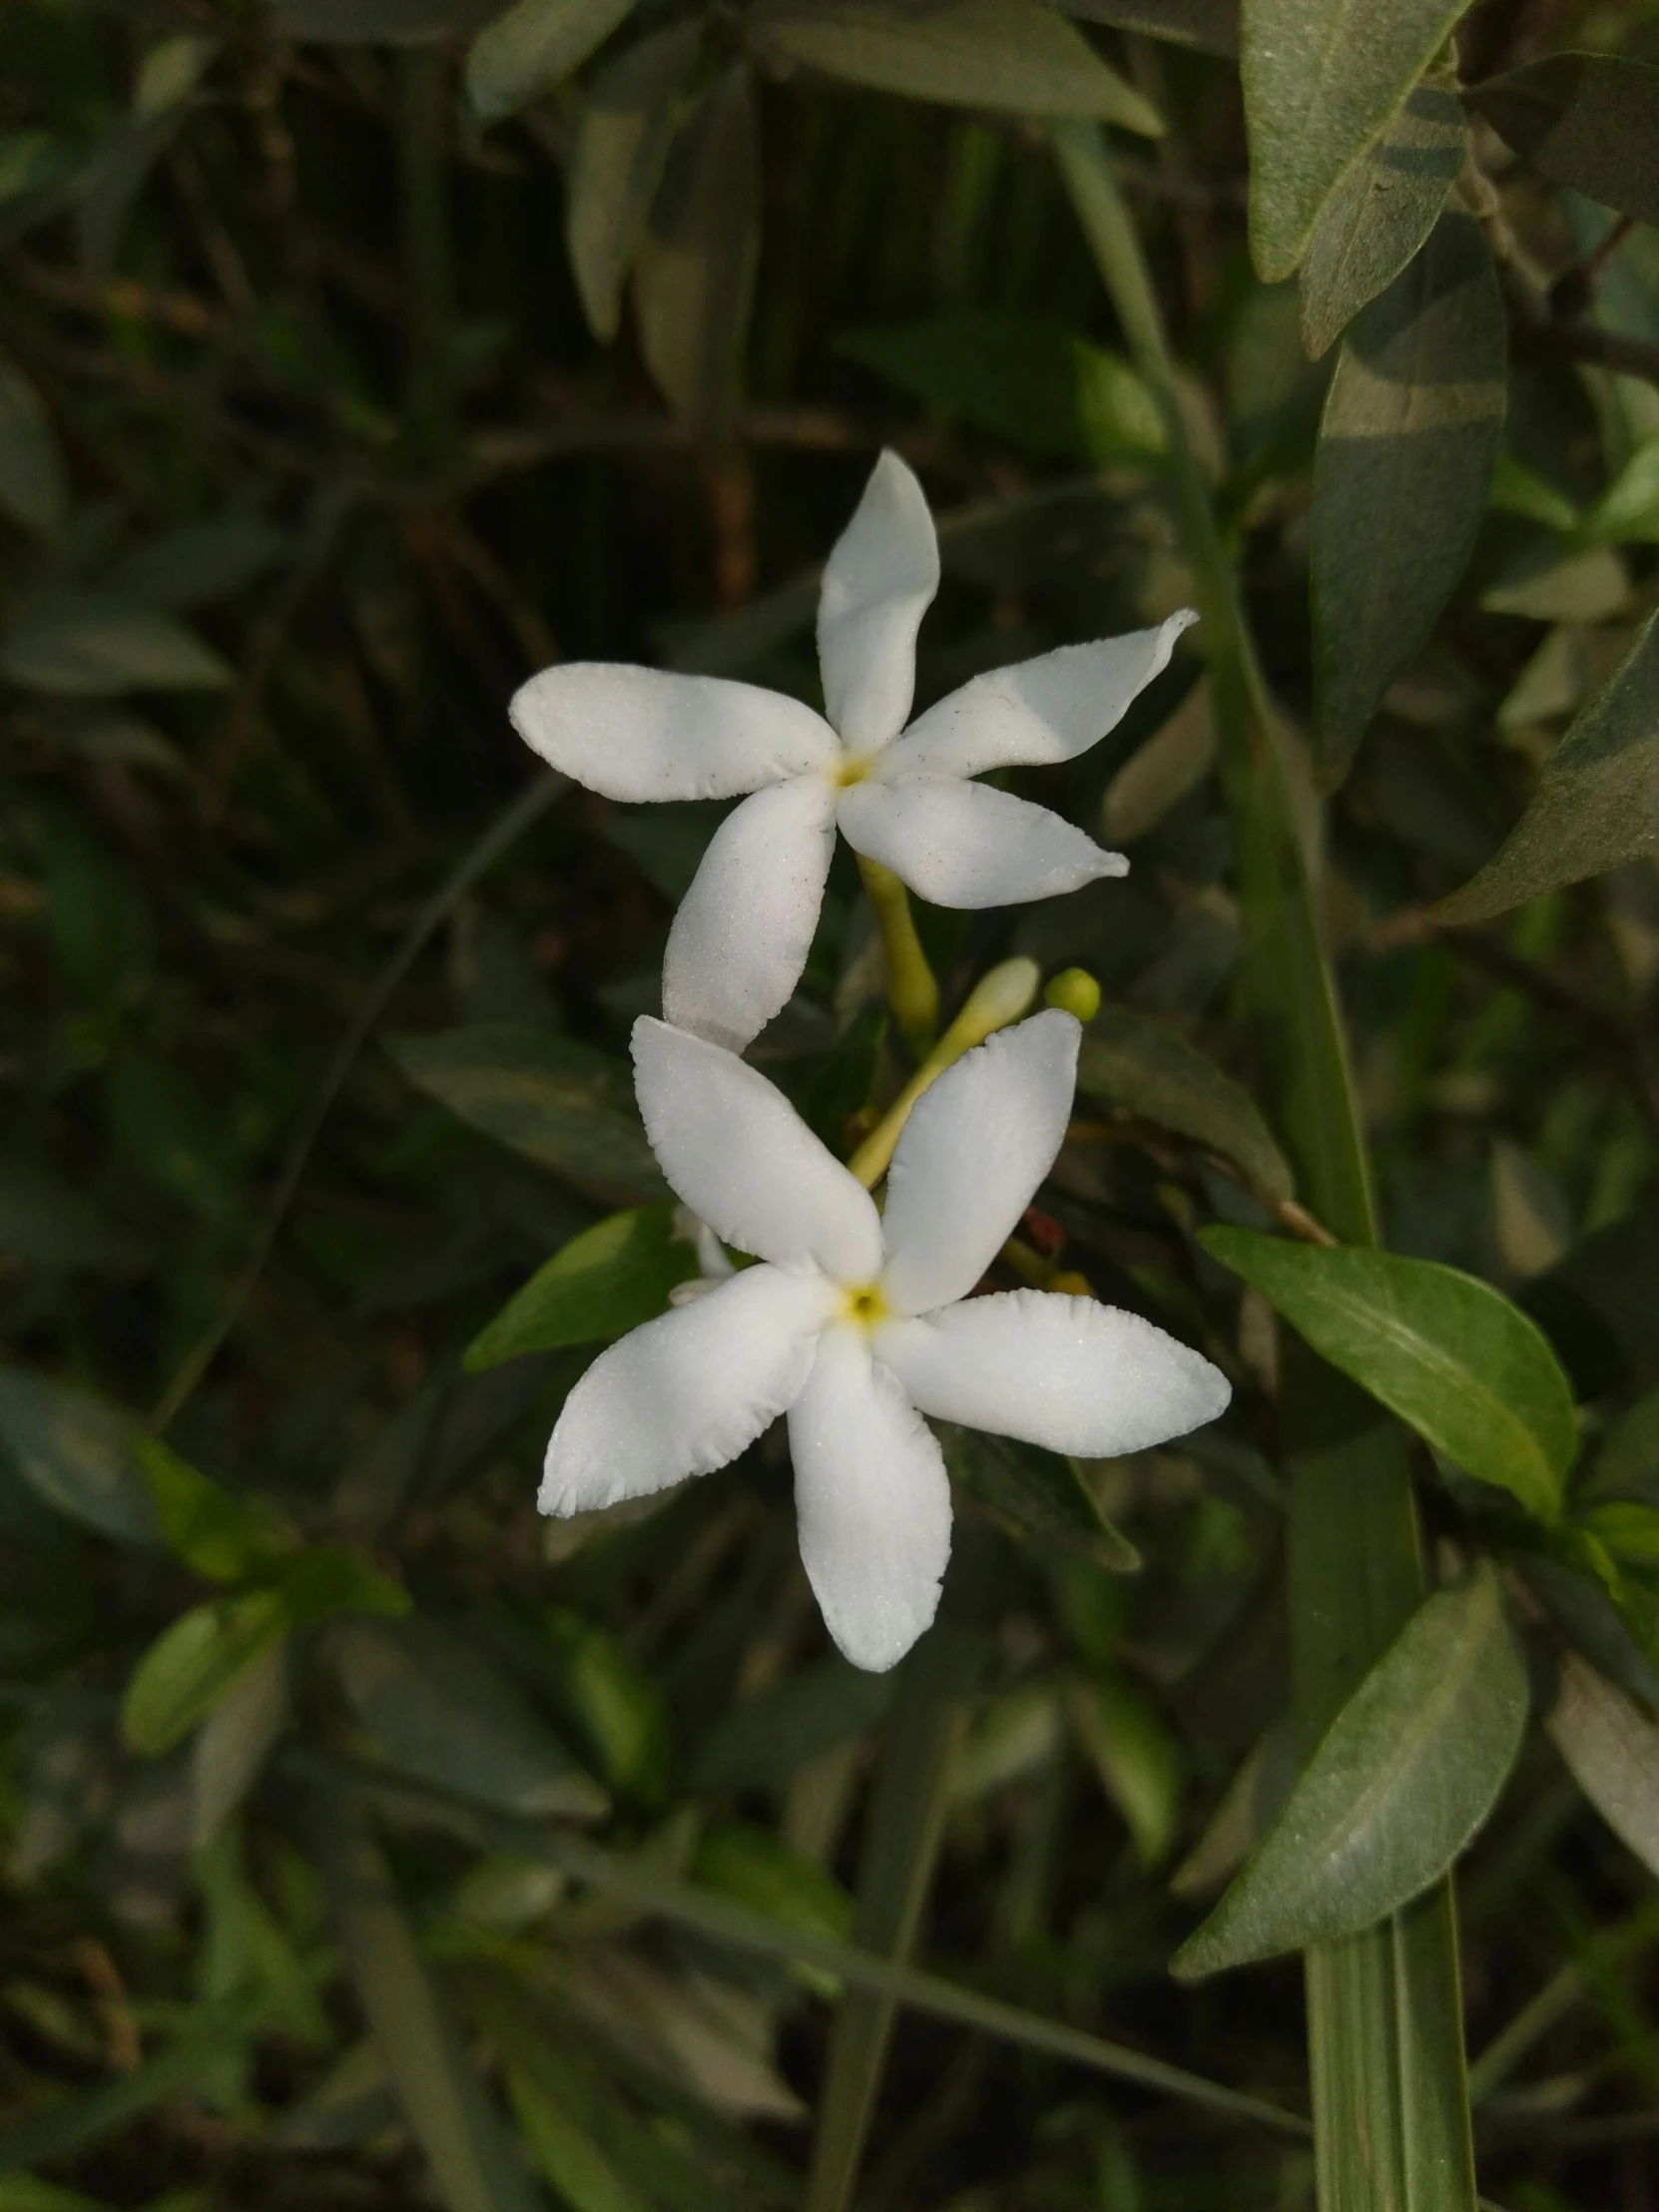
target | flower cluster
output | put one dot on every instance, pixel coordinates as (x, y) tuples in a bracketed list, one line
[(856, 1322)]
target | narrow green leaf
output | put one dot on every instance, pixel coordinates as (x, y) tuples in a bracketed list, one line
[(1590, 120), (895, 1870), (33, 488), (624, 130), (1132, 1061), (219, 1537), (1404, 1779), (560, 1103), (1035, 384), (1042, 1490), (605, 1282), (79, 1453), (197, 564), (194, 1663), (434, 1707), (1596, 805), (1611, 1748), (1008, 55), (531, 47), (445, 2101), (693, 281), (1446, 1352), (1322, 78), (1411, 431), (1382, 210), (1210, 25), (92, 647)]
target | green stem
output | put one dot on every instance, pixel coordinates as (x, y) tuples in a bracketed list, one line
[(1391, 2098), (999, 997), (912, 991)]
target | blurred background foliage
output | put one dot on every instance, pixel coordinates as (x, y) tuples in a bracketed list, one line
[(368, 1842)]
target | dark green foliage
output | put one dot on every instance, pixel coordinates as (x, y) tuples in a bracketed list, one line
[(368, 1841)]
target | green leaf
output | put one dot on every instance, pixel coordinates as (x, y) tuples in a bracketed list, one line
[(560, 1103), (1596, 804), (376, 22), (1449, 1355), (1137, 1759), (1611, 1748), (451, 2117), (33, 488), (1137, 1063), (47, 1223), (94, 646), (563, 2149), (1382, 210), (1041, 1490), (1008, 55), (606, 1280), (1210, 25), (765, 1740), (1158, 775), (324, 1579), (1547, 584), (236, 1739), (693, 281), (624, 130), (218, 1536), (79, 1453), (195, 565), (1627, 513), (532, 46), (620, 1713), (1035, 384), (1247, 1808), (434, 1707), (1411, 429), (1322, 78), (762, 1870), (1400, 1784), (1628, 1528), (1590, 120), (194, 1663)]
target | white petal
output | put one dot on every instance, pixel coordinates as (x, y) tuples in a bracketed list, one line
[(738, 1154), (1061, 1371), (1036, 712), (878, 584), (686, 1392), (745, 928), (641, 733), (961, 844), (873, 1501), (973, 1151)]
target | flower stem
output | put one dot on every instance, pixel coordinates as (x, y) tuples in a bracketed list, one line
[(912, 991), (1391, 2101), (999, 997)]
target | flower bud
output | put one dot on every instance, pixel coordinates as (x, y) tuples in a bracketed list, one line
[(1075, 991), (996, 999)]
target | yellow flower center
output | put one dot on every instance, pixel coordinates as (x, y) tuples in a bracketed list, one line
[(854, 769), (865, 1307)]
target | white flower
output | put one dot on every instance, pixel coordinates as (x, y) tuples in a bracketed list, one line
[(740, 937), (858, 1322)]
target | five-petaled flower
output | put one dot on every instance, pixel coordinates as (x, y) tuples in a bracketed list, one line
[(744, 929), (856, 1322)]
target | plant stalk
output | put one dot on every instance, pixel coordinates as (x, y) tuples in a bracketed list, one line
[(912, 991), (1390, 2089)]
